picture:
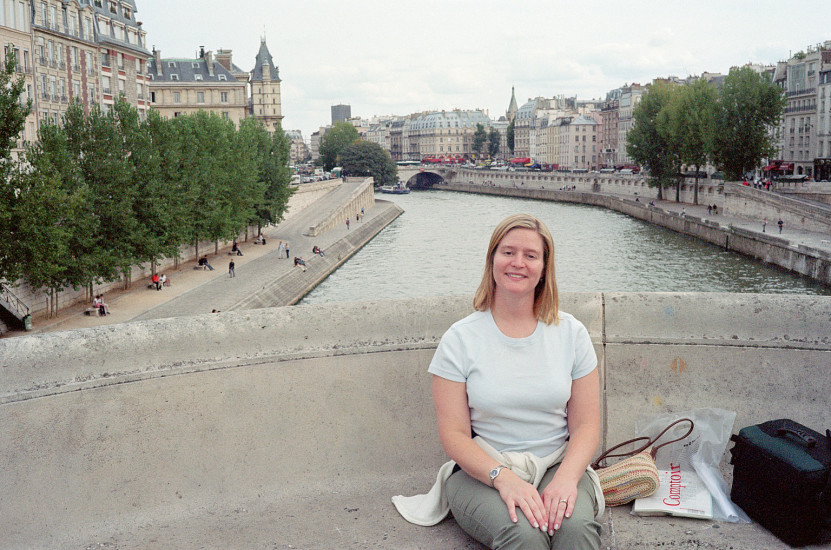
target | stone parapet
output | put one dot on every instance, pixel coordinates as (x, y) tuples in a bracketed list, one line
[(216, 430)]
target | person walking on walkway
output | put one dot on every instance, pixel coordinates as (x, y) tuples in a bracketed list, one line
[(281, 248), (231, 269), (347, 223), (287, 250), (780, 223), (764, 224)]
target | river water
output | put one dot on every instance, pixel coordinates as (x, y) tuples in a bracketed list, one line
[(437, 247)]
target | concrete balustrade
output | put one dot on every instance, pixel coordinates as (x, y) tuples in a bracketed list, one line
[(292, 427)]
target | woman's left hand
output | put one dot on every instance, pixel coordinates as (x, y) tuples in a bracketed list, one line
[(558, 497)]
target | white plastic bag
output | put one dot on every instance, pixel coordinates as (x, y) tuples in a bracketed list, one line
[(702, 451)]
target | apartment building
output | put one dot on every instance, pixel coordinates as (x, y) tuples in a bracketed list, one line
[(66, 53), (16, 36), (122, 53), (183, 85)]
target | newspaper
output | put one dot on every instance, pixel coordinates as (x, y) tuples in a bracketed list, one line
[(680, 493)]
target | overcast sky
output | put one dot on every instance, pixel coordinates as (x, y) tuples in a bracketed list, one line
[(399, 56)]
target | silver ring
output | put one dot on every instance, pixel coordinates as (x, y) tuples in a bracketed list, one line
[(564, 500)]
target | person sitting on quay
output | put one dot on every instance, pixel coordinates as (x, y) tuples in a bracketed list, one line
[(235, 249), (316, 250), (98, 303), (155, 281), (164, 280), (298, 262), (203, 263)]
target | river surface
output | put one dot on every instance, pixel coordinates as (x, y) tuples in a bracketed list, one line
[(437, 247)]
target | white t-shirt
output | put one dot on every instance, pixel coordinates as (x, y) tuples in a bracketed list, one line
[(517, 388)]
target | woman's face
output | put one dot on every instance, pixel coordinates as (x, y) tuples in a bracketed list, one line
[(518, 262)]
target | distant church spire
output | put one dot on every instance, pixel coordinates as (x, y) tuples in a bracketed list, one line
[(512, 107)]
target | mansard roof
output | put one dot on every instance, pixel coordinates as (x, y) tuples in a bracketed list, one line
[(188, 70), (102, 7), (262, 61)]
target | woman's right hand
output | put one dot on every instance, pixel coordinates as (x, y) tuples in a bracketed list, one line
[(517, 493)]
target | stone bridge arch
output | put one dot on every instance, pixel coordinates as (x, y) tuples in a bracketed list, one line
[(424, 177)]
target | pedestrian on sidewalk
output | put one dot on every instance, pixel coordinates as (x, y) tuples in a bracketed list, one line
[(347, 223), (780, 223), (287, 250), (764, 224), (231, 269), (280, 249), (709, 209)]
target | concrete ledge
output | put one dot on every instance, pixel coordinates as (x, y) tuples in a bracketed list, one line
[(292, 427)]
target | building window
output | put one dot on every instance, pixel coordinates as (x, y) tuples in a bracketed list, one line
[(223, 96), (153, 97), (197, 77), (225, 114), (222, 77), (200, 97), (174, 77), (177, 98)]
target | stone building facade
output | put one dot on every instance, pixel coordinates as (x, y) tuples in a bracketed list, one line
[(183, 86), (16, 36), (122, 54), (266, 102)]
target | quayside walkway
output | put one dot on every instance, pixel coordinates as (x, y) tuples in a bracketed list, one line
[(292, 427)]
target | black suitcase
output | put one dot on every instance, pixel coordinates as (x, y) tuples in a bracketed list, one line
[(782, 479)]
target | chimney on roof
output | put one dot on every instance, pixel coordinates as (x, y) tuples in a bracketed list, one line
[(201, 52), (157, 54), (223, 57), (210, 62)]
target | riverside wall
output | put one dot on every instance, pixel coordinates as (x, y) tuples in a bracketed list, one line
[(292, 427), (361, 198), (808, 261)]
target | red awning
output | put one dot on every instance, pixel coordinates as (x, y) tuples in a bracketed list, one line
[(520, 161)]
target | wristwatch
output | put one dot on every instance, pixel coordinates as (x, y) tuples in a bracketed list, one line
[(495, 472)]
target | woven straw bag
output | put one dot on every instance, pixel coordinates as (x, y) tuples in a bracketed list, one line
[(635, 476)]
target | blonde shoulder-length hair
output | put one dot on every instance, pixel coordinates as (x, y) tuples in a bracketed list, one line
[(546, 299)]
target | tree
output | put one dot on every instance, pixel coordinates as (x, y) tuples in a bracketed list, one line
[(510, 137), (365, 158), (648, 142), (338, 138), (749, 105), (690, 121), (494, 142), (272, 158), (480, 136), (13, 115)]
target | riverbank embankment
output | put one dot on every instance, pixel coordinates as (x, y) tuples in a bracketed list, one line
[(799, 251), (263, 278)]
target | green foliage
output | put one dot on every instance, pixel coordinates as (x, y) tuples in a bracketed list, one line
[(338, 138), (365, 158), (510, 136), (12, 120), (649, 142), (104, 191), (689, 120), (480, 136), (749, 106), (494, 142)]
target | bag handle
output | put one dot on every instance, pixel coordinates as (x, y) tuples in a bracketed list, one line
[(807, 439), (654, 450), (607, 454), (596, 464)]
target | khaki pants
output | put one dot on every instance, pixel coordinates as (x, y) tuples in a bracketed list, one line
[(480, 511)]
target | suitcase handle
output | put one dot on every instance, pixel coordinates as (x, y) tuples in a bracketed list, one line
[(806, 438)]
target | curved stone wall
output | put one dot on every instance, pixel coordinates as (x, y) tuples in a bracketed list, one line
[(293, 426)]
